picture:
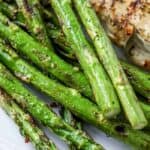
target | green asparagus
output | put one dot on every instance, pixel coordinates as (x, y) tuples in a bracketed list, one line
[(67, 116), (41, 112), (111, 63), (27, 127), (123, 131), (139, 79), (33, 21), (59, 38), (43, 57), (146, 109), (70, 99)]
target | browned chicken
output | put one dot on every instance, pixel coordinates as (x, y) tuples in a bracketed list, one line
[(127, 22)]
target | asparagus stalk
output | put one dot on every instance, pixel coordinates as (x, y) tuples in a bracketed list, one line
[(139, 79), (27, 128), (42, 112), (103, 90), (33, 21), (43, 57), (146, 109), (111, 63), (89, 113)]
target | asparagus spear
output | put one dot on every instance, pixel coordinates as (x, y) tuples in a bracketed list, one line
[(42, 112), (103, 90), (7, 10), (146, 109), (43, 57), (33, 21), (136, 76), (139, 79), (70, 99), (27, 128), (111, 63)]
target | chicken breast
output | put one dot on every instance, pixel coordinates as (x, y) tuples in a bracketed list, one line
[(127, 23)]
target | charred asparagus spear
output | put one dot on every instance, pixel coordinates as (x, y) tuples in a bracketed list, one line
[(13, 13), (25, 122), (42, 112), (111, 63), (71, 99)]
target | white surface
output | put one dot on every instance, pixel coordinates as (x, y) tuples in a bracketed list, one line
[(10, 138)]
